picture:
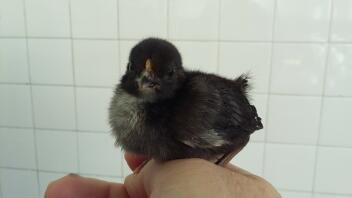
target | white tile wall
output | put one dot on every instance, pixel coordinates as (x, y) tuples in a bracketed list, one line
[(50, 61), (54, 107), (298, 124), (333, 174), (330, 196), (339, 71), (59, 60), (12, 21), (94, 18), (57, 151), (13, 61), (185, 15), (298, 68), (48, 18), (97, 154), (251, 157), (236, 58), (290, 166), (342, 21), (92, 107), (15, 105), (302, 20), (17, 148), (293, 194), (247, 20), (140, 19), (336, 119), (199, 55), (19, 183), (96, 62)]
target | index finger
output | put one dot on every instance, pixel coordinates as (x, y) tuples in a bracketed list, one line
[(74, 186)]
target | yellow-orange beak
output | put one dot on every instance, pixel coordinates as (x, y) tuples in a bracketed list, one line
[(149, 79), (148, 66)]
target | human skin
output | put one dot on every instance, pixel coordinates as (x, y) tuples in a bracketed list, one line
[(179, 178)]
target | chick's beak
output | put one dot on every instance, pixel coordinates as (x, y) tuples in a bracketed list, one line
[(149, 79)]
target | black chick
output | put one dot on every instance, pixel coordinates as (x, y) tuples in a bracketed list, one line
[(164, 112)]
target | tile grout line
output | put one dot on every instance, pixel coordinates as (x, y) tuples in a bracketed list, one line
[(31, 95), (185, 39), (56, 85), (275, 2), (327, 58), (1, 194), (57, 172), (74, 85), (218, 44), (313, 193), (119, 66)]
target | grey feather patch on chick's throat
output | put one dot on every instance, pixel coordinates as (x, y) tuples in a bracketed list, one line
[(209, 139)]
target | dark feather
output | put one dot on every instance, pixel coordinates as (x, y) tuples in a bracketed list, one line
[(196, 115)]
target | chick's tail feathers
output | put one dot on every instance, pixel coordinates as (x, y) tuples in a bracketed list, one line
[(257, 121), (241, 82)]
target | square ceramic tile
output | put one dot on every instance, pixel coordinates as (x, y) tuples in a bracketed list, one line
[(333, 173), (201, 56), (57, 151), (336, 121), (318, 195), (15, 106), (48, 18), (302, 20), (145, 18), (339, 71), (92, 107), (246, 20), (260, 102), (96, 62), (341, 29), (98, 154), (12, 18), (51, 61), (54, 107), (13, 180), (251, 58), (298, 68), (198, 17), (251, 158), (125, 48), (281, 163), (294, 119), (293, 194), (17, 148), (13, 61), (94, 18), (46, 178)]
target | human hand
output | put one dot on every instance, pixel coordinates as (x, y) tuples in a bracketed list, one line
[(179, 178)]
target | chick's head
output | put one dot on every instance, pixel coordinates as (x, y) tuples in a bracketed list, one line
[(154, 71)]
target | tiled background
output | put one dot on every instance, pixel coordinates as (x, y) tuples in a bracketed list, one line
[(59, 60)]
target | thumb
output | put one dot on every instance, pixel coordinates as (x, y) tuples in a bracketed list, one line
[(139, 185)]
